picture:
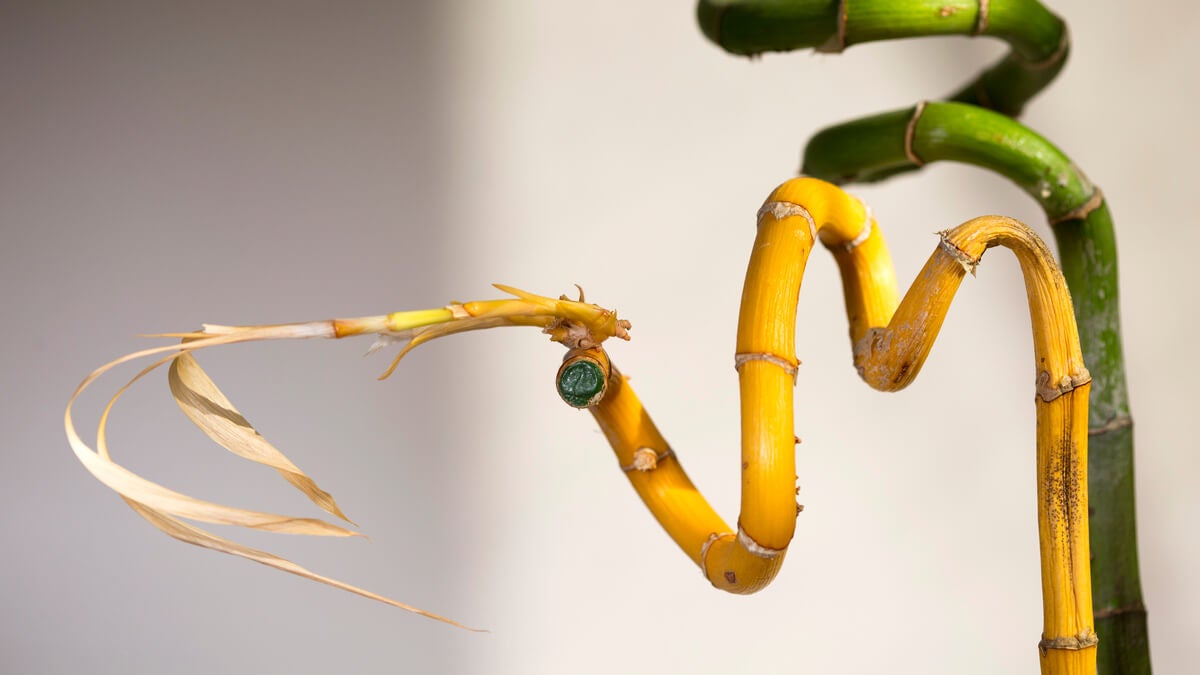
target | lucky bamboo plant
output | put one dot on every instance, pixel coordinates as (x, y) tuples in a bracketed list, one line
[(890, 336)]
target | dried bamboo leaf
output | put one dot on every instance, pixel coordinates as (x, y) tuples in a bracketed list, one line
[(193, 535), (163, 507), (200, 399), (133, 486)]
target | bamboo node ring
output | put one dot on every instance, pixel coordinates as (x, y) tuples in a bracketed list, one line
[(968, 263), (865, 232), (1085, 639), (1048, 392), (1118, 422), (756, 548), (1094, 202), (1064, 43), (836, 44), (909, 132), (704, 548), (981, 20), (780, 210), (741, 358)]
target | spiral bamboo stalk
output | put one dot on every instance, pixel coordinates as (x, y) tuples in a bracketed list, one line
[(965, 130), (891, 339)]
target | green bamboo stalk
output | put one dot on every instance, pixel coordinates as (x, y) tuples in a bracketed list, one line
[(883, 145), (878, 146), (1038, 38)]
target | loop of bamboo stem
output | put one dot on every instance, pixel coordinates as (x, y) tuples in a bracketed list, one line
[(891, 341)]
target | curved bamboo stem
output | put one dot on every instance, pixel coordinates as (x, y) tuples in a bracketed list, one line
[(883, 145), (1083, 229), (1038, 38), (891, 341)]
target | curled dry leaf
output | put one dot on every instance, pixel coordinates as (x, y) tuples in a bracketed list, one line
[(200, 399), (207, 407)]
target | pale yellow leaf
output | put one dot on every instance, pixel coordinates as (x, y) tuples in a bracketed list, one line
[(200, 399), (133, 486), (163, 507), (193, 535)]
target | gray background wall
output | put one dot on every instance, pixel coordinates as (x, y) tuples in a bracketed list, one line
[(163, 166)]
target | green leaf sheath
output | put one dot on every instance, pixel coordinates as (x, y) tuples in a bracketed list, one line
[(873, 148), (1038, 38), (876, 147)]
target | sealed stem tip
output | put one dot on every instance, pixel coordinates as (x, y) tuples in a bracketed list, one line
[(583, 377)]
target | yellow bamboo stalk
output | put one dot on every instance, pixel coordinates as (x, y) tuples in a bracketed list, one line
[(891, 341)]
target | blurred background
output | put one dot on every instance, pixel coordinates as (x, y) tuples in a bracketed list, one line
[(167, 164)]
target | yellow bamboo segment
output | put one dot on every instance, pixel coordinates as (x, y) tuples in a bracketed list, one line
[(746, 560), (1069, 643), (891, 342), (662, 484)]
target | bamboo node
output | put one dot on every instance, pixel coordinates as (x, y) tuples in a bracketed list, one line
[(981, 19), (1136, 608), (1094, 202), (1048, 392), (1064, 44), (863, 234), (1118, 422), (713, 538), (1084, 640), (741, 358), (836, 43), (909, 132), (780, 210), (968, 263), (757, 549)]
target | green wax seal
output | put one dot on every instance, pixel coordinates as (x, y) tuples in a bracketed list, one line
[(581, 384)]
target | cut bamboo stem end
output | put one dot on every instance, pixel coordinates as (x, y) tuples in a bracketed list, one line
[(583, 377)]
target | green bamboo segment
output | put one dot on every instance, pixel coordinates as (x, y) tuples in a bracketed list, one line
[(875, 147), (1038, 38), (866, 150)]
